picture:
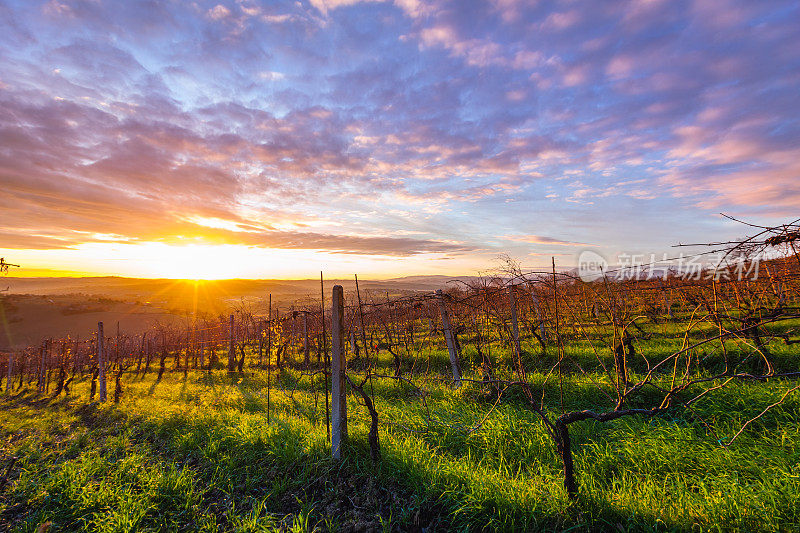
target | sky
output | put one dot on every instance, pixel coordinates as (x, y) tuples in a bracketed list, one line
[(388, 138)]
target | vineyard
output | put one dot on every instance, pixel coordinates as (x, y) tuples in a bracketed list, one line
[(637, 399)]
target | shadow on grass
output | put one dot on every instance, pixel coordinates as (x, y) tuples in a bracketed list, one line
[(31, 398), (241, 465)]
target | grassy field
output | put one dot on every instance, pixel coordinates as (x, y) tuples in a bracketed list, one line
[(198, 453)]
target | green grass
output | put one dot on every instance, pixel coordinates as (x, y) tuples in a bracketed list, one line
[(198, 454), (209, 452)]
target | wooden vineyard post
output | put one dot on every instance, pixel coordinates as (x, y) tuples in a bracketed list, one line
[(514, 324), (260, 343), (10, 371), (101, 362), (191, 348), (48, 362), (306, 346), (667, 301), (42, 355), (269, 351), (539, 317), (269, 331), (77, 361), (148, 357), (279, 337), (202, 341), (338, 366), (231, 347), (558, 341), (325, 357), (448, 337), (141, 354), (293, 315), (363, 330)]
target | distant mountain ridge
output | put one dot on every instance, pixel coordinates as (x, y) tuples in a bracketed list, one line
[(176, 291)]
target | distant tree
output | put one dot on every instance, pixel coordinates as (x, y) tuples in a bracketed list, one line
[(4, 266), (4, 269)]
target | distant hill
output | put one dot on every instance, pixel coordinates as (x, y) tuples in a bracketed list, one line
[(119, 287), (35, 308)]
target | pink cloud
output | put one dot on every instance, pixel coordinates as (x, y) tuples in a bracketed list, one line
[(540, 239), (218, 12), (439, 36)]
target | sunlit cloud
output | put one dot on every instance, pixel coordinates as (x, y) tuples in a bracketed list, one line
[(414, 129)]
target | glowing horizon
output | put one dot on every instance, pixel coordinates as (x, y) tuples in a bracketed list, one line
[(212, 262)]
